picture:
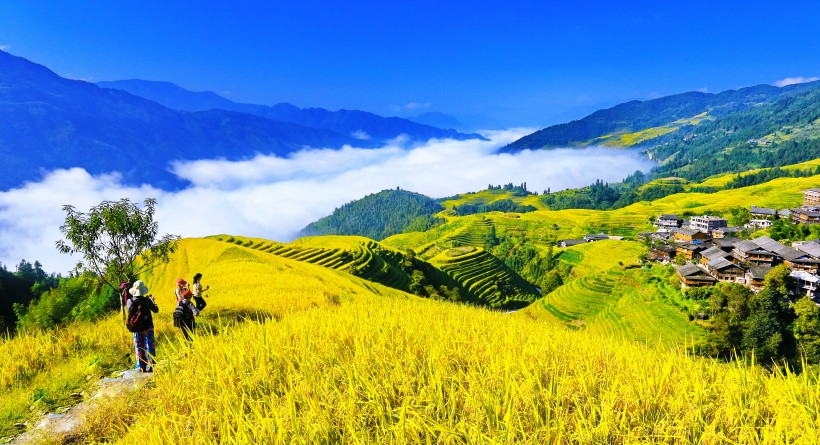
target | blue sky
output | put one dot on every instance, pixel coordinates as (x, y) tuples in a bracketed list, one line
[(517, 62)]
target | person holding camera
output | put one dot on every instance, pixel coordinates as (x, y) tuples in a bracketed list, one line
[(141, 323)]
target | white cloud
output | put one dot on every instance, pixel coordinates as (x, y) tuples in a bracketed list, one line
[(360, 134), (417, 105), (273, 197), (5, 47), (794, 80)]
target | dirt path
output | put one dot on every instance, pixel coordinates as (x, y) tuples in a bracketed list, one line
[(59, 427)]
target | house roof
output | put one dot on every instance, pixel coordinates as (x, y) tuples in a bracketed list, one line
[(812, 248), (572, 242), (714, 253), (732, 229), (758, 271), (771, 245), (694, 273), (669, 216), (762, 211), (692, 247), (720, 264), (746, 246), (815, 190), (726, 242), (688, 232), (688, 269)]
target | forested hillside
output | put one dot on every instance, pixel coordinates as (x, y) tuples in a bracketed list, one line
[(636, 115), (786, 131), (379, 215)]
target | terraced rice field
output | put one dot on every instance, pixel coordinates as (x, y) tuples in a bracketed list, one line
[(486, 277), (473, 235), (617, 302), (362, 256)]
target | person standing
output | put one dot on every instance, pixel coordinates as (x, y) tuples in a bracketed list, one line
[(197, 291), (141, 322), (184, 315)]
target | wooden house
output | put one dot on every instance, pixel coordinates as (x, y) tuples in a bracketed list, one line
[(693, 276), (687, 235)]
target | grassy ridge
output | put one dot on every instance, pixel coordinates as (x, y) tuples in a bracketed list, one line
[(395, 369)]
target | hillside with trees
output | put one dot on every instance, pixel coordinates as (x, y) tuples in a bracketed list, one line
[(379, 215)]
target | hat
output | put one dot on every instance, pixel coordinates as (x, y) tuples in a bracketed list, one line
[(187, 294), (181, 281), (138, 289)]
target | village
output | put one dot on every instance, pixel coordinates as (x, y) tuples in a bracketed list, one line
[(706, 250)]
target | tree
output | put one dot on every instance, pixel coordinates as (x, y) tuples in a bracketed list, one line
[(807, 329), (118, 240)]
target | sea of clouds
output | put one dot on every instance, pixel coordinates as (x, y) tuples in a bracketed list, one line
[(273, 197)]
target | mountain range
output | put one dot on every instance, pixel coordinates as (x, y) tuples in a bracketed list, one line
[(49, 122)]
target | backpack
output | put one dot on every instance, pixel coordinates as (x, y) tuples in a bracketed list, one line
[(124, 292), (183, 315), (139, 316)]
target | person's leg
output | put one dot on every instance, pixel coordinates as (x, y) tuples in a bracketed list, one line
[(137, 349), (185, 332), (142, 354), (150, 348), (200, 303)]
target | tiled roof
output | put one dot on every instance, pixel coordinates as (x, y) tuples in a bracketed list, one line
[(758, 272), (720, 263), (762, 211), (713, 253), (812, 249)]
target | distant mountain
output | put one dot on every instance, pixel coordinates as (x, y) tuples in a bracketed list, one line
[(696, 135), (635, 116), (49, 122), (378, 215), (359, 124), (437, 119)]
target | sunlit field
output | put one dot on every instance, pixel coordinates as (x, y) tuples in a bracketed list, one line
[(343, 361)]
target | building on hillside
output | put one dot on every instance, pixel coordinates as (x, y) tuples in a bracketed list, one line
[(668, 221), (693, 276), (762, 212), (711, 254), (756, 276), (761, 217), (757, 224), (811, 197), (724, 270), (570, 242), (806, 215), (688, 235), (691, 251), (810, 247), (726, 244), (771, 245), (663, 253), (748, 252), (797, 259), (595, 237), (707, 223), (806, 284), (723, 232)]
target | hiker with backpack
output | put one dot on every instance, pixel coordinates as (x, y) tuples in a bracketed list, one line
[(197, 291), (141, 323), (184, 315)]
